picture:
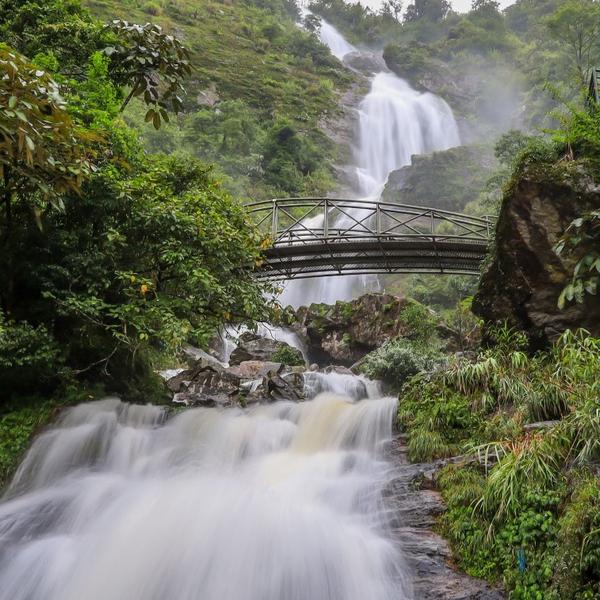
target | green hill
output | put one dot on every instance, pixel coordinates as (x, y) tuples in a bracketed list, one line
[(258, 79)]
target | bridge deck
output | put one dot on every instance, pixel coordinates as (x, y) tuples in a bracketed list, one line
[(319, 237)]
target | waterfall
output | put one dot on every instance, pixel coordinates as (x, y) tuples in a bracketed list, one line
[(395, 122), (277, 502), (332, 38)]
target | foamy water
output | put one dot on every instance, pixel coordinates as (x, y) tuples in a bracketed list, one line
[(279, 502)]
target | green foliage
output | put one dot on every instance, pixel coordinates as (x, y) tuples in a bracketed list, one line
[(21, 420), (576, 24), (288, 157), (577, 564), (127, 261), (150, 62), (288, 356), (254, 69), (30, 357), (398, 360), (61, 28), (41, 149), (517, 511)]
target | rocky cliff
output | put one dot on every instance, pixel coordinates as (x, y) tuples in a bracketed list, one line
[(524, 278), (447, 180)]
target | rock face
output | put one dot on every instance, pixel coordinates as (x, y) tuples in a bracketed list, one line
[(253, 347), (524, 279), (347, 331), (447, 180)]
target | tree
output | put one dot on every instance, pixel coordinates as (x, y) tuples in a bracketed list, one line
[(393, 8), (576, 24), (150, 62), (485, 5), (62, 28), (43, 154), (434, 10)]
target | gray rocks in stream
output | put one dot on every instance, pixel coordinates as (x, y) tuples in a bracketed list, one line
[(253, 347), (250, 381), (413, 509)]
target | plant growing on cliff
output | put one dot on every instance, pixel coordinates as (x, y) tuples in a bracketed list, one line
[(582, 240)]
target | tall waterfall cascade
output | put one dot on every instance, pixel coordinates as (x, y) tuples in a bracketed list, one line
[(395, 122)]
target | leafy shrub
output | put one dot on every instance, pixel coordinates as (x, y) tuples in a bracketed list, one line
[(578, 548), (398, 360), (518, 512), (30, 357), (288, 356)]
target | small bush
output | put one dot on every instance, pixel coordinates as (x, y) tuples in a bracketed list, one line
[(152, 8), (288, 356), (29, 357), (397, 361)]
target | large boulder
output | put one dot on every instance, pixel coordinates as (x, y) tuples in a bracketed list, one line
[(253, 347), (525, 277), (345, 332)]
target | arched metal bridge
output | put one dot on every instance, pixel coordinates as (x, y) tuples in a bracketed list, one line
[(313, 237)]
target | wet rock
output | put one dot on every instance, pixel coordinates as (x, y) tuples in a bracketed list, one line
[(248, 382), (338, 369), (448, 180), (274, 387), (195, 357), (254, 369), (205, 386), (413, 510), (253, 347), (345, 332), (525, 277), (367, 63)]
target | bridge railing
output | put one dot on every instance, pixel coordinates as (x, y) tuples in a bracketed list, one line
[(297, 221)]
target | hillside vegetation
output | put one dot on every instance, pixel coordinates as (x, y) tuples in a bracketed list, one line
[(259, 91)]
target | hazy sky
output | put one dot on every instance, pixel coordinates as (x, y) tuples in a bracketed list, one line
[(459, 5)]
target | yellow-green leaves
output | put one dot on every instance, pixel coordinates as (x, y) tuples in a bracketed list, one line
[(41, 149)]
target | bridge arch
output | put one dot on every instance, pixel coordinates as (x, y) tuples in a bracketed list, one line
[(316, 237)]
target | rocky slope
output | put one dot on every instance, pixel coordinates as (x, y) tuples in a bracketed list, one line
[(344, 332), (524, 278)]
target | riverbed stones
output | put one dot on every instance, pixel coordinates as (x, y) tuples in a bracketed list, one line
[(414, 507), (248, 382)]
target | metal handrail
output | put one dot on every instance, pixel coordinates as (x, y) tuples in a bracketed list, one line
[(471, 227)]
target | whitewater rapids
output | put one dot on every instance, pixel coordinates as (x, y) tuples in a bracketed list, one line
[(278, 502)]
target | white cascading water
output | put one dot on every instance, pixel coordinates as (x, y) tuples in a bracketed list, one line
[(278, 502), (395, 122)]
